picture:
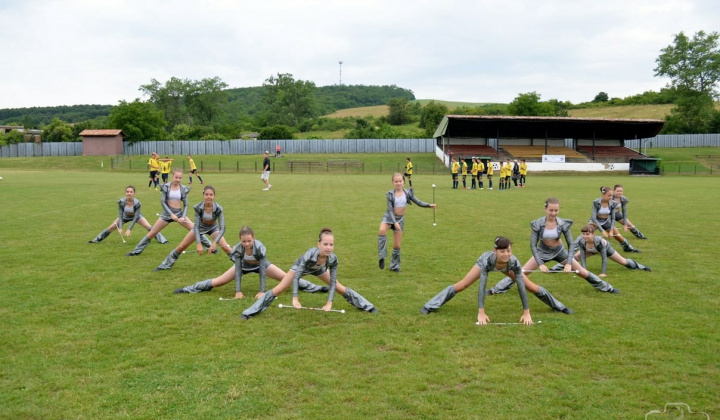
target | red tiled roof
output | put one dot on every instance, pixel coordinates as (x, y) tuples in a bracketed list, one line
[(109, 133)]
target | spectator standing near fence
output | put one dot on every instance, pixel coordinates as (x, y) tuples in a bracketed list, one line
[(277, 151), (265, 177)]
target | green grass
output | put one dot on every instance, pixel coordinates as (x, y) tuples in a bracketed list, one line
[(89, 333), (687, 160)]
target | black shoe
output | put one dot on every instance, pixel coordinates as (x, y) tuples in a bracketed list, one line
[(489, 292), (424, 310), (374, 311), (381, 263), (397, 270), (324, 289), (647, 268), (567, 311), (130, 254), (92, 242), (244, 317), (179, 291), (614, 290)]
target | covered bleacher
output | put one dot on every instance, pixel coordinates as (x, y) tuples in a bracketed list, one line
[(578, 139), (610, 152), (535, 153)]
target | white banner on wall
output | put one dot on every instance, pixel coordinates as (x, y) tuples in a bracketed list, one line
[(553, 158)]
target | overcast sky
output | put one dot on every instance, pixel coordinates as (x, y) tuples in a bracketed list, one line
[(69, 52)]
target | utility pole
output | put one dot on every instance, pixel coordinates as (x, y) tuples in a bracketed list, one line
[(340, 62)]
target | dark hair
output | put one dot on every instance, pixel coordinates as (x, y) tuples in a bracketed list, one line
[(590, 227), (502, 242), (246, 230), (604, 189), (616, 186), (130, 186), (209, 187), (551, 200), (324, 231)]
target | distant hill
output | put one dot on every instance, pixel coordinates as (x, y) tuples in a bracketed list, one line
[(241, 101)]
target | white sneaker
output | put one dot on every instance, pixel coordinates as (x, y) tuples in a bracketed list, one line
[(269, 186), (265, 189)]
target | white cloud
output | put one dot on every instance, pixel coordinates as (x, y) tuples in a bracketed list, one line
[(80, 51)]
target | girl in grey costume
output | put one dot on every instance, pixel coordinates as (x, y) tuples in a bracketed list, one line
[(622, 215), (169, 214), (210, 223), (127, 215), (500, 259), (394, 218), (248, 256), (546, 245), (321, 262), (588, 244), (606, 207)]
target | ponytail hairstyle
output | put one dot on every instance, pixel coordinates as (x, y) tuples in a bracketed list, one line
[(323, 232), (604, 189), (209, 187), (130, 186), (178, 170), (502, 242), (551, 200), (246, 230), (590, 227)]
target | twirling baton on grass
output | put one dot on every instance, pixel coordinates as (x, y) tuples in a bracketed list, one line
[(280, 305), (118, 231), (434, 224), (550, 271)]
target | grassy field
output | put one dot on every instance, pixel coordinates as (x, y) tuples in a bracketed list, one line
[(364, 111), (89, 333)]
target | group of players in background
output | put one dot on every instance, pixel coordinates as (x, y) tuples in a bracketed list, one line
[(512, 174), (249, 255)]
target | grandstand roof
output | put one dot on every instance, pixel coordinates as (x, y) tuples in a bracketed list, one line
[(487, 126)]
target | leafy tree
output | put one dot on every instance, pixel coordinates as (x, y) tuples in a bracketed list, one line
[(601, 97), (287, 101), (431, 115), (528, 104), (400, 111), (138, 120), (206, 100), (12, 137), (58, 131), (558, 108), (695, 113), (186, 101), (692, 64), (276, 132)]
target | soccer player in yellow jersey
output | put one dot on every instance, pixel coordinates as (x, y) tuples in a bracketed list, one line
[(490, 170), (464, 173), (473, 173), (454, 169), (523, 172), (481, 169), (165, 165), (193, 170), (154, 164), (408, 171)]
